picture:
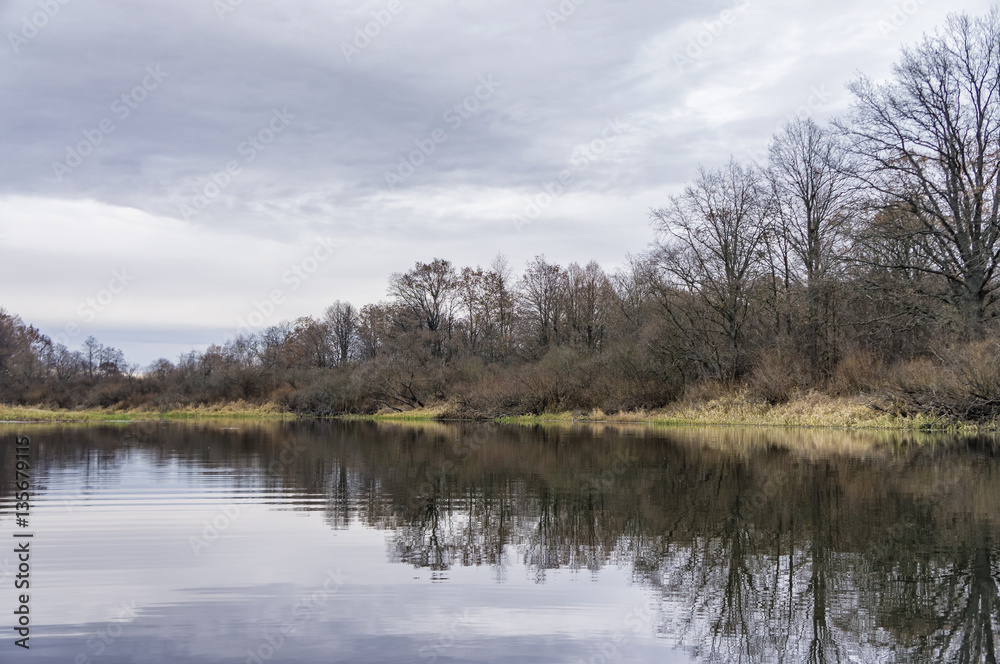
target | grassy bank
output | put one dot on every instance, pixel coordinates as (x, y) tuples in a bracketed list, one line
[(431, 413), (811, 410), (237, 410)]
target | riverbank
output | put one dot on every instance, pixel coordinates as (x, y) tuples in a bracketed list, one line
[(812, 410), (237, 410)]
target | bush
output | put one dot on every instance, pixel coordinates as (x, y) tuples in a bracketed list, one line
[(323, 393), (777, 377), (962, 382), (860, 372)]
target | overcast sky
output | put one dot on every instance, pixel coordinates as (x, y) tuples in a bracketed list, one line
[(168, 166)]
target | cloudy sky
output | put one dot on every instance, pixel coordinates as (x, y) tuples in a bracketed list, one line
[(174, 168)]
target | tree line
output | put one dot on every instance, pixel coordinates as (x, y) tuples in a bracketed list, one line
[(860, 259)]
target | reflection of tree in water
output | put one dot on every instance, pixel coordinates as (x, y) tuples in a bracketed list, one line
[(813, 568), (965, 597), (754, 554), (481, 528), (941, 600)]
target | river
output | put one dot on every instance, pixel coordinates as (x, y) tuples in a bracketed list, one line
[(249, 541)]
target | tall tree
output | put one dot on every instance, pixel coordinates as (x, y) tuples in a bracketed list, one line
[(310, 343), (501, 301), (342, 321), (428, 292), (541, 288), (712, 252), (928, 143), (586, 294), (808, 174), (474, 308), (374, 325)]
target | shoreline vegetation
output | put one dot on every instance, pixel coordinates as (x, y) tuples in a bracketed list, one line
[(41, 414), (738, 409)]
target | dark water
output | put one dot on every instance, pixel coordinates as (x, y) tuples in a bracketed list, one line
[(338, 542)]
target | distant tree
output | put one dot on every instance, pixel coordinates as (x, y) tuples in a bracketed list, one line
[(501, 299), (374, 329), (586, 294), (635, 287), (342, 320), (541, 301), (428, 293), (92, 353), (66, 364), (474, 308), (160, 369), (111, 362), (486, 302), (311, 343)]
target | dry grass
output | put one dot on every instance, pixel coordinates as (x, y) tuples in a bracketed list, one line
[(802, 410), (711, 408), (437, 412), (233, 410)]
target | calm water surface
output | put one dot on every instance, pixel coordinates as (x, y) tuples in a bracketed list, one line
[(343, 542)]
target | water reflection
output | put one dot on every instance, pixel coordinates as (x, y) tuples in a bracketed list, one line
[(754, 545)]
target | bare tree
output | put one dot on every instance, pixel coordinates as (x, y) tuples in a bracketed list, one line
[(635, 286), (501, 300), (92, 352), (540, 300), (374, 323), (586, 294), (342, 321), (928, 143), (428, 292), (310, 341), (808, 175), (713, 249), (475, 310)]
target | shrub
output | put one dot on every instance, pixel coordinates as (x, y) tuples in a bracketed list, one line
[(776, 377)]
